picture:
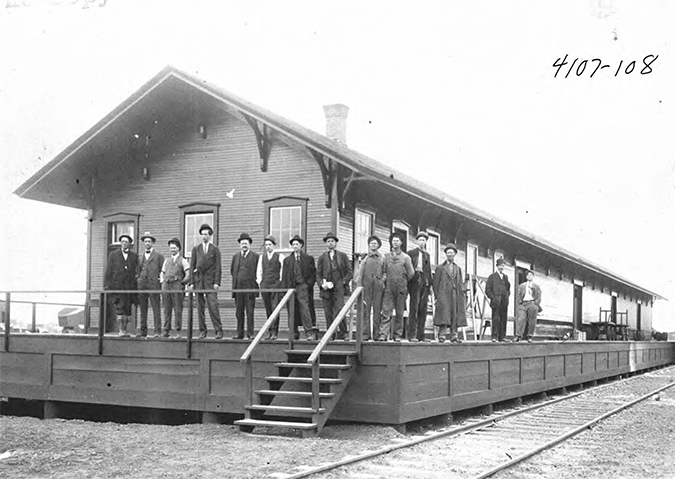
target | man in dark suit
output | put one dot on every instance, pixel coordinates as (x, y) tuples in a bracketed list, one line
[(418, 288), (120, 274), (498, 290), (299, 272), (205, 268), (151, 263), (529, 305), (243, 271), (333, 273)]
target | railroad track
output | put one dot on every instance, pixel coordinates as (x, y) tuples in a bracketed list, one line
[(511, 436)]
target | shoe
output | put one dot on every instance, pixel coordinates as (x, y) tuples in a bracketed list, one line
[(441, 339), (248, 338), (529, 340), (425, 340), (397, 339), (139, 335), (166, 334), (219, 335), (504, 340), (455, 339), (120, 334), (125, 334), (414, 340), (202, 335), (381, 338), (273, 337), (494, 340), (516, 339), (175, 336), (237, 337), (156, 335), (296, 336), (366, 338)]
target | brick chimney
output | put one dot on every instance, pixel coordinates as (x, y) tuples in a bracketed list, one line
[(336, 122)]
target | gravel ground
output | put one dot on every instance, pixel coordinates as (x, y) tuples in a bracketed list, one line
[(637, 443)]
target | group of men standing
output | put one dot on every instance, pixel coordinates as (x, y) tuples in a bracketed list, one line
[(387, 280)]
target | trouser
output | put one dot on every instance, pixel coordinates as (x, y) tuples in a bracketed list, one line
[(500, 318), (419, 300), (210, 299), (302, 313), (271, 300), (333, 302), (394, 299), (373, 290), (173, 302), (245, 303), (528, 319), (156, 313)]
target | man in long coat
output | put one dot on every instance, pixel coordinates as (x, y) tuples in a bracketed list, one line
[(205, 273), (243, 271), (299, 272), (450, 297), (333, 273), (120, 274), (150, 264), (498, 290)]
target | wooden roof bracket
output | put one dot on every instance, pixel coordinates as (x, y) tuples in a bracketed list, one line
[(328, 171), (264, 137)]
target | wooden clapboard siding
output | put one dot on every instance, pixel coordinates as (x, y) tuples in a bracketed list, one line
[(630, 306), (557, 298), (592, 301), (485, 264), (346, 234)]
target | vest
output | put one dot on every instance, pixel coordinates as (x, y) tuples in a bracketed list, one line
[(174, 271), (271, 269)]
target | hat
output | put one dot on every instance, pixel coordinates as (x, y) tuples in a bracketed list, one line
[(271, 238), (529, 270), (127, 237), (500, 261), (375, 238), (451, 246), (330, 235), (398, 235), (175, 241), (422, 234), (148, 235), (244, 236), (297, 238), (205, 227)]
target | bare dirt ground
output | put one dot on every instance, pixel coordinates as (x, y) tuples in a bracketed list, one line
[(637, 443)]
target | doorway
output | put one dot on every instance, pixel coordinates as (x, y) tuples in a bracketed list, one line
[(521, 277), (613, 309), (577, 310)]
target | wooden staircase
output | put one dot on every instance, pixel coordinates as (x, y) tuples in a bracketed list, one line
[(294, 399)]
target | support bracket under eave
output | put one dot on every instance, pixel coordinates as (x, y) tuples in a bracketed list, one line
[(264, 136), (328, 171)]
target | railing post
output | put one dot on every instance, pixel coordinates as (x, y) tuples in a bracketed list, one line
[(316, 386), (359, 325), (8, 309), (249, 381), (291, 320), (87, 314), (103, 316), (33, 325), (190, 320)]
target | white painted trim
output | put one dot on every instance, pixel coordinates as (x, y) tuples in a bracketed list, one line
[(523, 264), (579, 282)]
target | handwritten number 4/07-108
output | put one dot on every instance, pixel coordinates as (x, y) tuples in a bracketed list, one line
[(596, 65)]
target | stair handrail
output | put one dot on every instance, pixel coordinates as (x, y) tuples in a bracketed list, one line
[(336, 323), (275, 314)]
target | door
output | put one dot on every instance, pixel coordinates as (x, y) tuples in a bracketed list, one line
[(638, 324), (613, 311), (122, 226), (404, 233), (577, 310), (521, 277)]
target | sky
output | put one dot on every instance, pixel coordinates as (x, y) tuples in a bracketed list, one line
[(460, 95)]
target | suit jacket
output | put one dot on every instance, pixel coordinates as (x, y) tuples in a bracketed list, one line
[(450, 295), (249, 281), (121, 274), (149, 270), (497, 289), (307, 270), (536, 293), (415, 256), (323, 270), (205, 269)]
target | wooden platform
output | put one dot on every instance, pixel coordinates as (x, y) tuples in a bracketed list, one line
[(395, 383)]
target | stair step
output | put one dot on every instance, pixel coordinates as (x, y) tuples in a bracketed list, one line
[(261, 423), (303, 410), (309, 366), (323, 353), (303, 380), (270, 392)]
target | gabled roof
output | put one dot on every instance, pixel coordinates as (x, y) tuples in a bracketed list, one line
[(321, 144)]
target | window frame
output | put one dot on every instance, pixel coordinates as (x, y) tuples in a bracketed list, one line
[(193, 209), (286, 202), (371, 214), (471, 245), (116, 218), (437, 236), (401, 225)]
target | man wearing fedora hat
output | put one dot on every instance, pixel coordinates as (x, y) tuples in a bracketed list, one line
[(299, 272), (205, 273), (151, 263), (243, 271), (450, 296), (498, 290), (529, 306), (418, 287), (268, 276), (175, 275), (399, 271), (333, 273), (120, 274), (372, 274)]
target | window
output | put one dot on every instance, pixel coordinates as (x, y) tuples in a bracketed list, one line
[(286, 217), (433, 244), (121, 228), (471, 259), (192, 216), (363, 229), (498, 254)]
